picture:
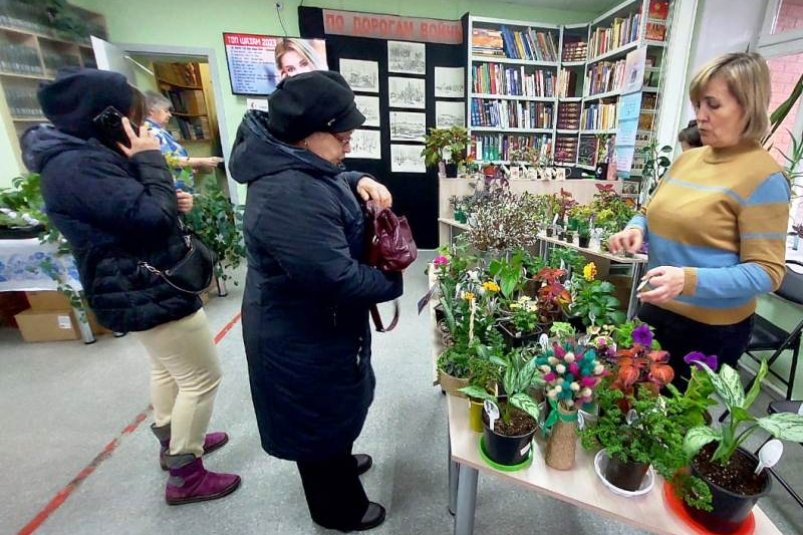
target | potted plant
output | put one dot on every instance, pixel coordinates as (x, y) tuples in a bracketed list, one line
[(593, 302), (484, 369), (507, 438), (644, 433), (520, 324), (444, 147), (553, 297), (718, 458), (583, 234), (570, 372)]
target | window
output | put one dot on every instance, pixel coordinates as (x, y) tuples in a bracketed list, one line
[(785, 72)]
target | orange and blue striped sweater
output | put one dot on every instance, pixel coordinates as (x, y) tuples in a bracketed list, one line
[(722, 215)]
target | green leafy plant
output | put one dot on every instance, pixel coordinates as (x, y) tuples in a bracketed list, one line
[(656, 163), (519, 375), (780, 113), (523, 315), (446, 145), (215, 220), (698, 395), (562, 330), (508, 272), (739, 424), (792, 169), (594, 303)]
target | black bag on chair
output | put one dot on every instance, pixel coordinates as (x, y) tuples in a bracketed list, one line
[(193, 273)]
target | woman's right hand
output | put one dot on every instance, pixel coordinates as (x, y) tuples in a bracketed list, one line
[(139, 143), (630, 240)]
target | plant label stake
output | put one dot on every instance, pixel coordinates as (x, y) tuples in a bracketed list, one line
[(769, 455), (800, 410), (543, 341), (631, 417), (492, 411)]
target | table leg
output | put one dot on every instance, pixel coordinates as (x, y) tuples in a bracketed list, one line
[(454, 473), (466, 500), (632, 306), (83, 326)]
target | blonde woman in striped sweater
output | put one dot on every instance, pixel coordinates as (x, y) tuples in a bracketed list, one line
[(717, 224)]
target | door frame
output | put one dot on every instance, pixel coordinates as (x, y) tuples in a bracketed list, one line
[(217, 87)]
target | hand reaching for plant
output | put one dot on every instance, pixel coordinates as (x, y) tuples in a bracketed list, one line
[(667, 282), (630, 240)]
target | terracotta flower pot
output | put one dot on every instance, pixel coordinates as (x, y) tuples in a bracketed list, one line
[(451, 385)]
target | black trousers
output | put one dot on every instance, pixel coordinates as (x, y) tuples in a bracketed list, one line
[(680, 336), (334, 492)]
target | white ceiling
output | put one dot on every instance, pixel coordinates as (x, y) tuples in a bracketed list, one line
[(590, 6)]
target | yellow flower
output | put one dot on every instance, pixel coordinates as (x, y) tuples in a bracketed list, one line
[(491, 286), (468, 296), (590, 271)]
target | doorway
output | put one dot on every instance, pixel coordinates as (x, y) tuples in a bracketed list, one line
[(189, 78)]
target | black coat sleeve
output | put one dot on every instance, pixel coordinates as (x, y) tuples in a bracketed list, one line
[(107, 196), (306, 235)]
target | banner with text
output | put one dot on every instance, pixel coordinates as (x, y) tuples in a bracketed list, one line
[(354, 24)]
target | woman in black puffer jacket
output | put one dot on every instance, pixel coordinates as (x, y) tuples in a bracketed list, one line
[(117, 206), (307, 295)]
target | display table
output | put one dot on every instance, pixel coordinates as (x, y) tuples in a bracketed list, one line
[(21, 270), (580, 486)]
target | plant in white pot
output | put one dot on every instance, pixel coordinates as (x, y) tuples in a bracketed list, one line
[(718, 458)]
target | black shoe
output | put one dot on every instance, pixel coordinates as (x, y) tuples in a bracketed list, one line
[(374, 516), (364, 463)]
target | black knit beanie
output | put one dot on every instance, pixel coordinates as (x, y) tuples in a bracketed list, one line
[(77, 96)]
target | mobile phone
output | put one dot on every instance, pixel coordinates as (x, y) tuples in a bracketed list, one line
[(109, 124)]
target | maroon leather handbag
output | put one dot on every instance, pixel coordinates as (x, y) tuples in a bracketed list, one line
[(389, 247)]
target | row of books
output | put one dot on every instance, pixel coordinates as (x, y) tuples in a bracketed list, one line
[(511, 114), (22, 102), (567, 83), (605, 76), (621, 32), (495, 79), (19, 59), (574, 51), (598, 117), (569, 115), (530, 45), (190, 128), (513, 44), (497, 147), (566, 149)]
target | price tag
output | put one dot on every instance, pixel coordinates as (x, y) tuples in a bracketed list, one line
[(526, 448), (65, 322)]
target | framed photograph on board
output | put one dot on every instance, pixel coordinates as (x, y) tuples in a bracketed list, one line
[(408, 58), (257, 63), (407, 92), (361, 75)]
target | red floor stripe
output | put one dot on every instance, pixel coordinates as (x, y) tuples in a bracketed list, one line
[(64, 493)]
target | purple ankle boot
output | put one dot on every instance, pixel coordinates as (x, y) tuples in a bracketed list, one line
[(212, 442), (190, 482)]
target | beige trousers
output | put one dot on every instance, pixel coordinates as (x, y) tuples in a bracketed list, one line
[(185, 374)]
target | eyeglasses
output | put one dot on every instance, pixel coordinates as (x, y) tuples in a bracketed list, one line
[(344, 140)]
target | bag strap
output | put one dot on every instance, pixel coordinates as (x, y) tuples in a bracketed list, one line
[(378, 319)]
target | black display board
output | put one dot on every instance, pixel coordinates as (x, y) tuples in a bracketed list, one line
[(415, 195)]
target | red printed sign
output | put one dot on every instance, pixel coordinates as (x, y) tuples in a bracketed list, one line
[(379, 26)]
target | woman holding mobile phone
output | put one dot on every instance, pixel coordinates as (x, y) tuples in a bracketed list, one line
[(116, 205)]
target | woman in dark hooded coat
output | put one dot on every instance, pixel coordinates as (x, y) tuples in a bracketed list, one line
[(307, 295)]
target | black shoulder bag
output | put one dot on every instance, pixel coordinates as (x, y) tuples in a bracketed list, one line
[(193, 273)]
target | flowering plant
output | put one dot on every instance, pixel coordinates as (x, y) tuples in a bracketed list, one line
[(642, 365), (592, 300), (697, 397), (570, 372), (524, 314), (553, 297)]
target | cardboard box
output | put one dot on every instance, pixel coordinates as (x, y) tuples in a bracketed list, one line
[(47, 325), (48, 300)]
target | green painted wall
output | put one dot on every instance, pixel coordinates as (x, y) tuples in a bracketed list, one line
[(195, 23)]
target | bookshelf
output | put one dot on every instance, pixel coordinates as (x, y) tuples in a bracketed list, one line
[(31, 51), (557, 88), (513, 80), (184, 85)]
